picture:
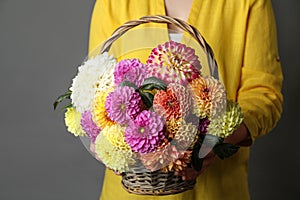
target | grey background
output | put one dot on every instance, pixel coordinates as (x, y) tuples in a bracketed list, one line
[(41, 43)]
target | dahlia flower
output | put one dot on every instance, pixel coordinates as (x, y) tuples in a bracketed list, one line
[(100, 115), (135, 105), (175, 102), (172, 127), (186, 136), (224, 125), (145, 134), (209, 97), (72, 121), (89, 126), (115, 135), (113, 157), (130, 70), (168, 158), (121, 109), (179, 164), (106, 80), (218, 96), (203, 125), (84, 85), (173, 62)]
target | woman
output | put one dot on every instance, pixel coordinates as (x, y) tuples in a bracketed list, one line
[(242, 35)]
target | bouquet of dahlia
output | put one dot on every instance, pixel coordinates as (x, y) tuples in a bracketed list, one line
[(156, 114)]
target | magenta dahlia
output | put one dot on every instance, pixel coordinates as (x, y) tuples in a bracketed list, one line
[(145, 133), (130, 70), (119, 106), (89, 126), (134, 106)]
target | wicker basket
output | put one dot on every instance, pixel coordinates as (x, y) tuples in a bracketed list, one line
[(159, 183), (154, 183)]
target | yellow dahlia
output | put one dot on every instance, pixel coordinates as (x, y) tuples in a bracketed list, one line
[(172, 127), (209, 97), (224, 125), (113, 157), (201, 97), (100, 115), (72, 121), (115, 135)]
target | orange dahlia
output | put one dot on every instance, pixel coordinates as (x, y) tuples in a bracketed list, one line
[(172, 127), (175, 102)]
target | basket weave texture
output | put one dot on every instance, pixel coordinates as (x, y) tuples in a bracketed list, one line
[(155, 183)]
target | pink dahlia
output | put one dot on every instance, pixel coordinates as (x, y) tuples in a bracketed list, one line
[(143, 119), (130, 70), (175, 102), (118, 104), (89, 126), (173, 62), (145, 134), (135, 105)]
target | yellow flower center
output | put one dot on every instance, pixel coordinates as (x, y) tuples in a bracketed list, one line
[(122, 106), (142, 130)]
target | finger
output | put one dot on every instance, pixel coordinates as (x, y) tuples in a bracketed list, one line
[(210, 154), (182, 173), (191, 174), (206, 163)]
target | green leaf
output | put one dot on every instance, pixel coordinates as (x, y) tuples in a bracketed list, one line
[(129, 84), (147, 98), (225, 150), (147, 87), (67, 106), (62, 97), (155, 83)]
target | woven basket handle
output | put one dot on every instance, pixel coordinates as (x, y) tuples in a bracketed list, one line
[(169, 20)]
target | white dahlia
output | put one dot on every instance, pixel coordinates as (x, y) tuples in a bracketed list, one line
[(87, 80)]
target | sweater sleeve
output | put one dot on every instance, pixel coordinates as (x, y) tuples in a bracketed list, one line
[(261, 80)]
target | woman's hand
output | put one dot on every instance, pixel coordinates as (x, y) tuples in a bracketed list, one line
[(191, 173), (240, 137)]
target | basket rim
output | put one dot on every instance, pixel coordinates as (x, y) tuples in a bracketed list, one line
[(191, 30)]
